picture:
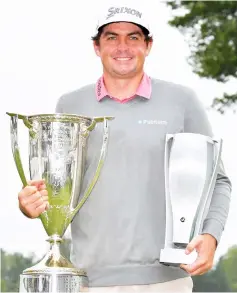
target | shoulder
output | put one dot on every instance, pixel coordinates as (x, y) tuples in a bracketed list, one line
[(75, 96), (176, 94), (173, 89), (80, 93)]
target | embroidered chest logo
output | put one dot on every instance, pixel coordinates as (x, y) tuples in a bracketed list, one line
[(152, 122)]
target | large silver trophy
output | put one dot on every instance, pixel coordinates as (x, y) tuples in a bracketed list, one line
[(191, 166), (57, 153)]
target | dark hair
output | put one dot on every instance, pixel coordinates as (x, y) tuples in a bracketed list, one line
[(145, 32)]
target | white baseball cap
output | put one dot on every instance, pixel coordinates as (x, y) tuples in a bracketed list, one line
[(122, 13)]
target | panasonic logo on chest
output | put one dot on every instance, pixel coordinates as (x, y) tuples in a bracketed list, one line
[(152, 122), (114, 10)]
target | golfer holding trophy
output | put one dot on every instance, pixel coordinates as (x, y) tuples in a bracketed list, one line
[(156, 214)]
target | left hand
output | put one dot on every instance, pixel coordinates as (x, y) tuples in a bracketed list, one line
[(205, 246)]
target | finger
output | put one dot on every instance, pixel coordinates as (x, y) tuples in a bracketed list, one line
[(193, 244), (185, 267), (200, 271), (44, 198), (42, 187), (37, 203), (190, 268), (36, 183), (25, 193), (41, 208), (44, 192), (36, 197), (41, 200)]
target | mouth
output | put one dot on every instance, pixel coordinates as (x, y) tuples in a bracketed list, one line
[(122, 58)]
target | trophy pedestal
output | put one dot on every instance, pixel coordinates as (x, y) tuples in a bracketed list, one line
[(53, 283), (175, 257), (54, 273)]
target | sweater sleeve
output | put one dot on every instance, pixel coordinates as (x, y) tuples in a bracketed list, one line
[(196, 121)]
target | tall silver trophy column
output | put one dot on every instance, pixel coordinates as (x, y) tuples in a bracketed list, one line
[(191, 166), (57, 153)]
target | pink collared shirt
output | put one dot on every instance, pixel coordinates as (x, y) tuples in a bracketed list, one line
[(144, 90)]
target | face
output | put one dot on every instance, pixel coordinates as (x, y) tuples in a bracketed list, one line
[(122, 49)]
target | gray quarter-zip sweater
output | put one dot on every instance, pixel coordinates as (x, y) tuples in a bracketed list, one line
[(119, 232)]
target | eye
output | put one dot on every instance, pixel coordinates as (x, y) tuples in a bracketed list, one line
[(111, 38), (133, 38)]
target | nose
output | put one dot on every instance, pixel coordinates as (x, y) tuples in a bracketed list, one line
[(122, 44)]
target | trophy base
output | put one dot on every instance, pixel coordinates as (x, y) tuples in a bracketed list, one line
[(54, 273), (46, 283), (175, 257)]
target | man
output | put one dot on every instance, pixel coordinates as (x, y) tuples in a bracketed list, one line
[(118, 234)]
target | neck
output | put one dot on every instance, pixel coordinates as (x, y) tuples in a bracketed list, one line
[(122, 88)]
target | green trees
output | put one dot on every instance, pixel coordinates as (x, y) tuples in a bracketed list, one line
[(12, 266), (211, 31), (230, 267)]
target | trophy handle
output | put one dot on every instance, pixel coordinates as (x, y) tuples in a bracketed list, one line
[(15, 145), (100, 163)]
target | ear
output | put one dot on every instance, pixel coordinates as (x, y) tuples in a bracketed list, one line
[(96, 48), (149, 46)]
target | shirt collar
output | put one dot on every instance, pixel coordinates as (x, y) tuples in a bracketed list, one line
[(144, 89)]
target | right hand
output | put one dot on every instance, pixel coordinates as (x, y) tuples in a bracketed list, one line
[(33, 199)]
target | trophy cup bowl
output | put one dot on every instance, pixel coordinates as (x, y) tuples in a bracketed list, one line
[(57, 153), (191, 166)]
